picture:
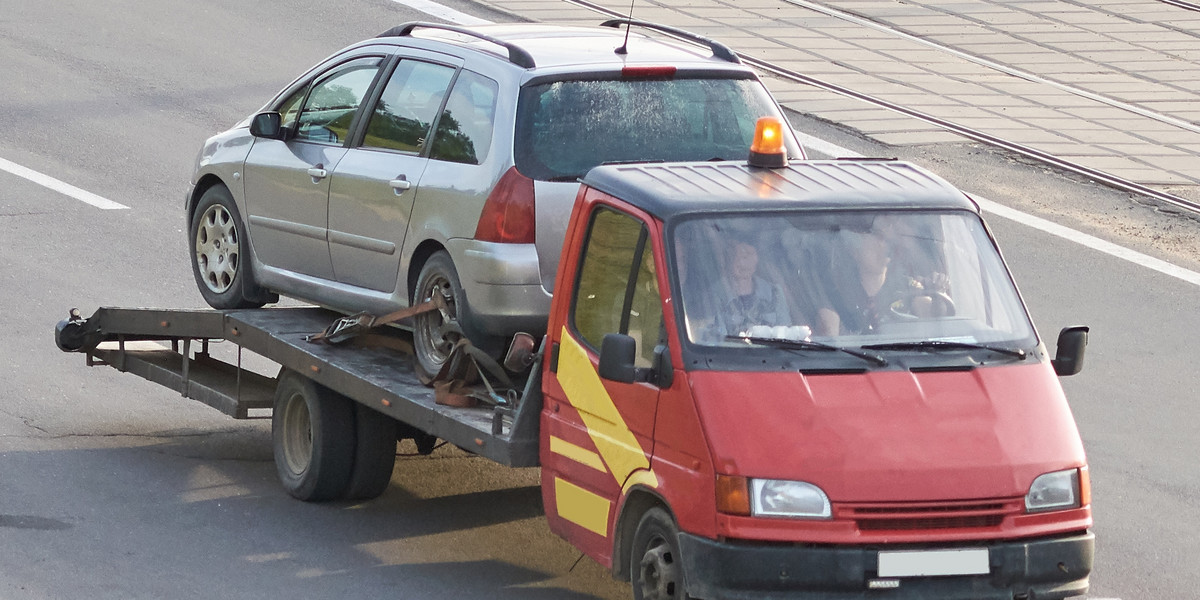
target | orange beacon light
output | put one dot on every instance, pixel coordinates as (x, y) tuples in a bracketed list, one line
[(767, 149)]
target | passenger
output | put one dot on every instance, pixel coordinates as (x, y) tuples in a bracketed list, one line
[(751, 299)]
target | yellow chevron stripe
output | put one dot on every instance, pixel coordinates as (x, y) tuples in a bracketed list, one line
[(616, 443), (576, 453), (581, 507)]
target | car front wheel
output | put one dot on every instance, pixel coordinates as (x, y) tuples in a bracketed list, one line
[(220, 262)]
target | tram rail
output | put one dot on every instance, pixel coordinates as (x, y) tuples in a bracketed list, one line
[(1097, 175)]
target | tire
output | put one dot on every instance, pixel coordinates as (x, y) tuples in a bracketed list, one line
[(312, 434), (219, 254), (655, 567), (374, 454), (436, 332)]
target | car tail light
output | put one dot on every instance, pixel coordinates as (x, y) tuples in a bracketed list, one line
[(508, 214), (647, 72)]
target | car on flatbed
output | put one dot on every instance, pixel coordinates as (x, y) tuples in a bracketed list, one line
[(438, 160)]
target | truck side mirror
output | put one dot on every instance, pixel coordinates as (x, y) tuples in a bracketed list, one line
[(266, 125), (1068, 358), (617, 352)]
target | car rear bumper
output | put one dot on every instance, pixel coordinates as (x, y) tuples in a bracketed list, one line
[(1041, 568), (503, 286)]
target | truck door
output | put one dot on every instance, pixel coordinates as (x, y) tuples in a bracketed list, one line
[(599, 434)]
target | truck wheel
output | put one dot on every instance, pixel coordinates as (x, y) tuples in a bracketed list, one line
[(656, 570), (435, 333), (219, 259), (374, 454), (312, 432)]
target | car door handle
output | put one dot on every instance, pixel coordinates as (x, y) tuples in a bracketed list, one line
[(317, 173), (400, 184)]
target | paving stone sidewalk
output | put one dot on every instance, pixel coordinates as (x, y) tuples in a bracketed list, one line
[(1110, 84)]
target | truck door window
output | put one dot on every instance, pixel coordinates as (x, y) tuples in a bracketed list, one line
[(406, 110), (617, 290), (333, 102)]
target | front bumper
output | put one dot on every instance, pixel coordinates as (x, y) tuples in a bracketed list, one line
[(1039, 569)]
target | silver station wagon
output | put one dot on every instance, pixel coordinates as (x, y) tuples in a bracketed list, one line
[(436, 159)]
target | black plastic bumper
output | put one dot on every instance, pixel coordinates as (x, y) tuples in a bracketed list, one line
[(1033, 569)]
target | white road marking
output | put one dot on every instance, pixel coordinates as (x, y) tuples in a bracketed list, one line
[(443, 12), (1038, 223), (59, 186)]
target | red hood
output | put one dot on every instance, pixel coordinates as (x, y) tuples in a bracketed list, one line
[(892, 435)]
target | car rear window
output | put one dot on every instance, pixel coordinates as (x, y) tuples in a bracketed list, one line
[(564, 128)]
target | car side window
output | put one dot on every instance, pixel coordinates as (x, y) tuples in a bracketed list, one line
[(334, 100), (290, 108), (405, 112), (617, 290), (464, 131)]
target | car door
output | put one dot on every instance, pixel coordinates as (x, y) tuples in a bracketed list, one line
[(600, 433), (374, 186), (287, 180)]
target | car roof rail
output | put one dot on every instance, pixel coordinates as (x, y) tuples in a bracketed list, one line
[(516, 54), (719, 50)]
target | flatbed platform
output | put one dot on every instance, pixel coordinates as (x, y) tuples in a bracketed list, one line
[(379, 377)]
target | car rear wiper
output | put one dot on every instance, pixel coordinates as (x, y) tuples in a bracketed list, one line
[(808, 345), (938, 345)]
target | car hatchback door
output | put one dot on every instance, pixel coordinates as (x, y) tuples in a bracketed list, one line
[(374, 186), (287, 181)]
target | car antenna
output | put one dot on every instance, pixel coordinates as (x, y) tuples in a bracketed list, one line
[(624, 49)]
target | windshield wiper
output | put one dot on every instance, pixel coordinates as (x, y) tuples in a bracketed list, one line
[(808, 345), (938, 345)]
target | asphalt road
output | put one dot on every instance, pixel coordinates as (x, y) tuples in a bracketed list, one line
[(111, 487)]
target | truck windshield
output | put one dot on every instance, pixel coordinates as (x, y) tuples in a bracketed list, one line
[(564, 128), (847, 278)]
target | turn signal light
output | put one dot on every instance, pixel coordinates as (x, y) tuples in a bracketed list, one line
[(767, 149), (1085, 487), (509, 214), (733, 495)]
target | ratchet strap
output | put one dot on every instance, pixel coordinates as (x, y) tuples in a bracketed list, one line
[(346, 328)]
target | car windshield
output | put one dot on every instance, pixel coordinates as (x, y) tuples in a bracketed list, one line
[(565, 128), (888, 279)]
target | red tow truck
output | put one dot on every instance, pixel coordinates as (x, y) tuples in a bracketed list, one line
[(760, 380)]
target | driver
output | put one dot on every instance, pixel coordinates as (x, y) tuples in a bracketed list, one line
[(868, 286)]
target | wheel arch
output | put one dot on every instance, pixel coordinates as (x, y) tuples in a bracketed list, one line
[(638, 501), (206, 182), (420, 255)]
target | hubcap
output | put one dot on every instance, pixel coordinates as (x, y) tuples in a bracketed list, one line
[(297, 435), (659, 572), (217, 253), (439, 328)]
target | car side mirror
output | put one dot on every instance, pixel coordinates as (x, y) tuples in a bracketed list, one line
[(1068, 358), (617, 353), (266, 125)]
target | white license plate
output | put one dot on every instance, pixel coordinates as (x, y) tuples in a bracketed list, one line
[(933, 563)]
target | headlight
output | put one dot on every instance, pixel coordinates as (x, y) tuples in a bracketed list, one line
[(1054, 491), (773, 498)]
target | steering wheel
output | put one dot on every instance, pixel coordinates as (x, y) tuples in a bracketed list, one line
[(922, 304)]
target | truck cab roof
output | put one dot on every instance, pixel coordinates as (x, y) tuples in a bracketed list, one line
[(669, 189)]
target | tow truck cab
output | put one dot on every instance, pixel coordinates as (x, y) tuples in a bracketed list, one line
[(814, 380)]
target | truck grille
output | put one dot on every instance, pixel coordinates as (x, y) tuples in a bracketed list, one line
[(936, 515)]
